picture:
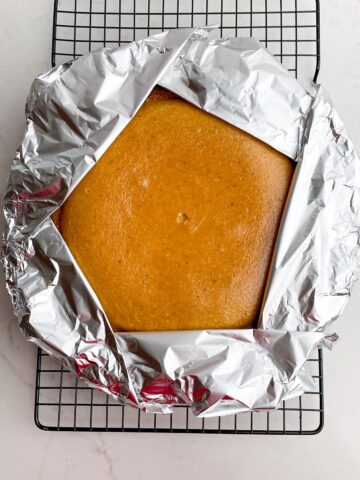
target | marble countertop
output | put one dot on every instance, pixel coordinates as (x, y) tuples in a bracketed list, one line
[(27, 452)]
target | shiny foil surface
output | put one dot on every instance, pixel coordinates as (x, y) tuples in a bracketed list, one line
[(74, 112)]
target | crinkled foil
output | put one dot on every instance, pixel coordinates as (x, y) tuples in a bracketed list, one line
[(318, 244), (74, 112)]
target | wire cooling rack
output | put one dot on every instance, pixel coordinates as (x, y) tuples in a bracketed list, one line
[(63, 403), (290, 29)]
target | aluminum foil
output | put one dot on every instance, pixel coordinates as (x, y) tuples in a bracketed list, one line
[(74, 112), (320, 252)]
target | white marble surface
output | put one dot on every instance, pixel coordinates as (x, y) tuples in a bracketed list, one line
[(26, 452)]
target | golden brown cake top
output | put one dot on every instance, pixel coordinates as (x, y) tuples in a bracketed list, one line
[(174, 227)]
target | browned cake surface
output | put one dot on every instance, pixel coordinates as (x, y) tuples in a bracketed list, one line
[(175, 225)]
